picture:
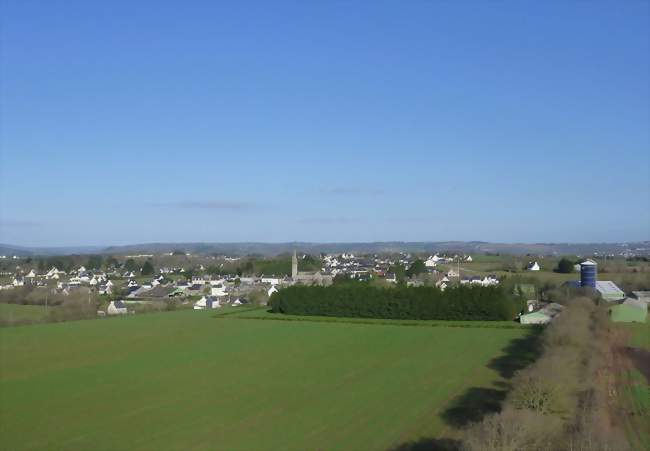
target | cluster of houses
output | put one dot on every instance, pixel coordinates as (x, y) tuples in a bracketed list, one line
[(216, 291), (160, 286), (367, 267)]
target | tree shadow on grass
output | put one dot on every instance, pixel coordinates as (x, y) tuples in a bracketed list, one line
[(429, 444), (473, 405), (518, 354), (477, 402)]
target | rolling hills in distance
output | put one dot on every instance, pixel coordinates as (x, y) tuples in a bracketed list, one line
[(641, 248)]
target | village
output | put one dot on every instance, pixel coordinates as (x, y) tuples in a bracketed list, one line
[(213, 282), (204, 291)]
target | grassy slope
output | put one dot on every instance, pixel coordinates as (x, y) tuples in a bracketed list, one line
[(634, 390), (265, 314), (639, 333), (17, 312), (184, 380)]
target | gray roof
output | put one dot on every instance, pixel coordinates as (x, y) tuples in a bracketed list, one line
[(552, 309), (645, 295), (608, 287)]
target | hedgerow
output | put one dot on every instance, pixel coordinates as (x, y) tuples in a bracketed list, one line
[(463, 303)]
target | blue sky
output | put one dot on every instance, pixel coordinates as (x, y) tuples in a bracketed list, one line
[(127, 122)]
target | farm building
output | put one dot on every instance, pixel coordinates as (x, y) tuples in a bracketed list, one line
[(207, 302), (630, 311), (543, 316), (116, 308), (642, 296), (609, 291), (533, 266)]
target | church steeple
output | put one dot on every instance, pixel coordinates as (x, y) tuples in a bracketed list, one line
[(294, 265)]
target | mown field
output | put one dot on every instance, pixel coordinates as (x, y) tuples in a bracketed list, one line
[(634, 387), (186, 380), (17, 312)]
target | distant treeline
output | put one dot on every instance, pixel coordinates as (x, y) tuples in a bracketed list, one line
[(463, 303)]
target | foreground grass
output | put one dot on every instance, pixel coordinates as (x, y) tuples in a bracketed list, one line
[(639, 333), (17, 313), (634, 388), (264, 313), (185, 380)]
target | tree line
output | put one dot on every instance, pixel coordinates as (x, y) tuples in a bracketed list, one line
[(562, 400), (462, 303)]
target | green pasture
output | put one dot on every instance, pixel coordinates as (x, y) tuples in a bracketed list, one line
[(16, 313), (187, 380), (634, 389), (639, 333)]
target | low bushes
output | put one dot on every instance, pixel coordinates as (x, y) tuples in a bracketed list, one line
[(424, 303), (560, 401)]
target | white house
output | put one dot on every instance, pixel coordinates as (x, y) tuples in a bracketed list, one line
[(533, 266), (31, 274), (117, 308), (198, 280), (469, 259), (54, 273), (432, 261), (489, 280), (218, 290), (18, 282), (272, 290), (271, 280), (207, 302)]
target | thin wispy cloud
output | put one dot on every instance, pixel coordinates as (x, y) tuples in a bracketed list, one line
[(207, 205)]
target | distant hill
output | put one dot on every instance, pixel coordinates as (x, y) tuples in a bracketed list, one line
[(468, 247), (22, 251), (267, 249)]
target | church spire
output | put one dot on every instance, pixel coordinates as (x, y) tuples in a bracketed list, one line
[(294, 265)]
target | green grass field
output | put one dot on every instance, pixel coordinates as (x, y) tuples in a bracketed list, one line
[(634, 389), (639, 333), (186, 380), (17, 312)]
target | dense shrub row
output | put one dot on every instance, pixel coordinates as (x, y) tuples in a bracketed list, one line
[(563, 400), (363, 301)]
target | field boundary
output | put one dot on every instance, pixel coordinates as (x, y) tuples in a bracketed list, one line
[(374, 322)]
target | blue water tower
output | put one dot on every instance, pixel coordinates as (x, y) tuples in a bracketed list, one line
[(588, 273)]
